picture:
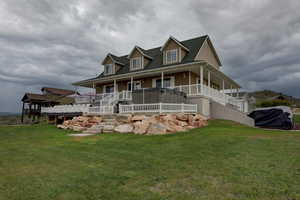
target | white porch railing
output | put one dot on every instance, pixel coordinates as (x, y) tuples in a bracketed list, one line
[(101, 110), (77, 108), (216, 95), (158, 107)]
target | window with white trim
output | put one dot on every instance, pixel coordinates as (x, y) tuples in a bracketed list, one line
[(171, 56), (136, 63), (136, 85), (108, 69)]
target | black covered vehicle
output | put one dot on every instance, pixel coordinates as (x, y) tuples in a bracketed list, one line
[(280, 117)]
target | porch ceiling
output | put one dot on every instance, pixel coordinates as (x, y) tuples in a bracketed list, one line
[(216, 75)]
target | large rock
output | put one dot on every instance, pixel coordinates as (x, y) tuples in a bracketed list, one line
[(199, 124), (95, 120), (141, 127), (199, 117), (123, 118), (169, 117), (78, 128), (181, 117), (138, 118), (181, 123), (172, 127), (81, 118), (108, 128), (124, 128), (157, 128)]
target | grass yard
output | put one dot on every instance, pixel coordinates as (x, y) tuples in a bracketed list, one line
[(297, 119), (221, 161)]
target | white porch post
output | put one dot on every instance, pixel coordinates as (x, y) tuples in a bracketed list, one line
[(224, 91), (201, 79), (94, 88), (162, 79), (209, 86), (115, 86), (237, 93), (231, 91), (190, 82), (131, 83)]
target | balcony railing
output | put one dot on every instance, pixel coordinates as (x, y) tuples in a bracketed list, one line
[(104, 98), (77, 108)]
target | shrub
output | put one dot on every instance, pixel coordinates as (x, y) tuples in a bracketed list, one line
[(272, 103)]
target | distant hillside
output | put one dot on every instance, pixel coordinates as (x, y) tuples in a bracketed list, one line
[(8, 114), (269, 94)]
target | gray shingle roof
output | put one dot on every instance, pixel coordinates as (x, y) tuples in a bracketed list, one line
[(193, 45)]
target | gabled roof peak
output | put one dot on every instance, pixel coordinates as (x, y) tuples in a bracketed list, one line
[(114, 58), (176, 41), (141, 50)]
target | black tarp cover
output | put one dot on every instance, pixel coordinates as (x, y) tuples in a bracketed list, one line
[(272, 118)]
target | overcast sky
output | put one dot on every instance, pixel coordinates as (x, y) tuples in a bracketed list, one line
[(54, 43)]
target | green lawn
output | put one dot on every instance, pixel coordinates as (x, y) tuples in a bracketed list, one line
[(297, 119), (221, 161)]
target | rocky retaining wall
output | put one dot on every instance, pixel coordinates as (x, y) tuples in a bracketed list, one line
[(137, 124)]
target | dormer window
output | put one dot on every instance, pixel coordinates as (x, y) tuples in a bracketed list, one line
[(171, 56), (108, 69), (136, 63)]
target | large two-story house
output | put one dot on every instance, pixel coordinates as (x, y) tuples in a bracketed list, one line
[(179, 76), (192, 66)]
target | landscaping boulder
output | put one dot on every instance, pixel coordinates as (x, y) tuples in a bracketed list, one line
[(141, 127), (78, 128), (181, 117), (123, 118), (124, 128), (157, 128), (138, 118)]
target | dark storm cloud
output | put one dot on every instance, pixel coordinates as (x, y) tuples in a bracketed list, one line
[(54, 43)]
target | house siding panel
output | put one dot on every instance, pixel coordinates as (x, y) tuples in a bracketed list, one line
[(206, 54)]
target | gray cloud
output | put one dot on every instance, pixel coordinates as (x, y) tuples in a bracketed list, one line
[(55, 43)]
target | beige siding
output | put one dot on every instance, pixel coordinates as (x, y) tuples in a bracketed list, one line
[(181, 78), (173, 45), (108, 60), (206, 53), (135, 54)]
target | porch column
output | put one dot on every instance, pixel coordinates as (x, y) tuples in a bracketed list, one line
[(201, 79), (231, 91), (209, 86), (94, 88), (22, 117), (162, 79), (131, 83), (237, 93), (115, 86), (190, 82), (224, 91)]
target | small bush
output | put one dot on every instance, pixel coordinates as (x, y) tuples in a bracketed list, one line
[(273, 103)]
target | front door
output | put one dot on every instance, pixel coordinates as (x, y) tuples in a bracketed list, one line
[(109, 89)]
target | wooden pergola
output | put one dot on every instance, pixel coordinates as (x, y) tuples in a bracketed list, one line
[(33, 104)]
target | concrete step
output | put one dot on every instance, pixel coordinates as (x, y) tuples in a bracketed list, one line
[(93, 131), (108, 120)]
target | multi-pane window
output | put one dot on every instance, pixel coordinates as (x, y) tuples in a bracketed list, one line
[(171, 56), (136, 63), (108, 69), (136, 85), (167, 83)]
